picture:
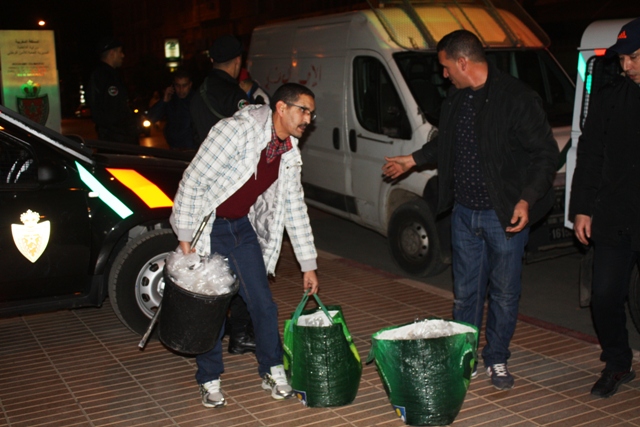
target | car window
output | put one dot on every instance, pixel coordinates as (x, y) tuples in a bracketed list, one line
[(17, 162), (377, 104)]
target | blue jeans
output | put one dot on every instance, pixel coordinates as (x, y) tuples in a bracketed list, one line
[(612, 266), (487, 264), (237, 240)]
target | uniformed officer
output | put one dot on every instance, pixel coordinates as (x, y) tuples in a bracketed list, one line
[(219, 97), (108, 97)]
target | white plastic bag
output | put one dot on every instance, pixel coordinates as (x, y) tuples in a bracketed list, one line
[(200, 275)]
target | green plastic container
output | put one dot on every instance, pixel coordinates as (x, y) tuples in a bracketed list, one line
[(426, 380)]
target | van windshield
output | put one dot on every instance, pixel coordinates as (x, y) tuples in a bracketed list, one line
[(423, 75)]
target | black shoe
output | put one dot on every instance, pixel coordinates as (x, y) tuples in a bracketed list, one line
[(242, 343), (609, 382)]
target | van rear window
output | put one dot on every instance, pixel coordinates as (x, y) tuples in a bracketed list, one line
[(537, 68)]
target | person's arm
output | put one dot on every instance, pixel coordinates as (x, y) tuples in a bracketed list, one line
[(587, 176), (582, 228), (399, 165), (157, 111), (310, 282), (533, 132), (520, 217), (206, 176)]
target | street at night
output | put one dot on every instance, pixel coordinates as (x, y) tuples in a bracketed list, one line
[(399, 136)]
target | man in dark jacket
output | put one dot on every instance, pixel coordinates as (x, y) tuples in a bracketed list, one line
[(605, 205), (108, 97), (219, 97), (496, 160), (175, 107)]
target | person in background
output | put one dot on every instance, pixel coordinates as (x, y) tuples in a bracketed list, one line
[(496, 160), (175, 108), (605, 207), (217, 98), (255, 93), (108, 97), (247, 173)]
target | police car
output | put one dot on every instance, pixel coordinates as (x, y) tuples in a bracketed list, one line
[(83, 220)]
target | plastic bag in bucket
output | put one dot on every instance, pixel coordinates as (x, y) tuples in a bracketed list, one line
[(193, 310), (320, 356), (426, 376)]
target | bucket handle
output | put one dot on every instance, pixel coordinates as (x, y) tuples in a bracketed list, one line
[(303, 302), (154, 319)]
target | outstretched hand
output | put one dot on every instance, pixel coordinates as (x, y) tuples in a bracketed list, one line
[(398, 165)]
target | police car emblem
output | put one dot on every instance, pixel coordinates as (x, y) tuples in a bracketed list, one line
[(113, 90), (242, 103), (32, 238)]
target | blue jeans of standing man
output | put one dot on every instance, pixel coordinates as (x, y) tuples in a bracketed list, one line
[(487, 264), (237, 240)]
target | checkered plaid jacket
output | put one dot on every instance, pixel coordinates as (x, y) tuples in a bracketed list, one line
[(226, 160)]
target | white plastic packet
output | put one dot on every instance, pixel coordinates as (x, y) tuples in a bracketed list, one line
[(200, 275), (425, 329), (317, 319)]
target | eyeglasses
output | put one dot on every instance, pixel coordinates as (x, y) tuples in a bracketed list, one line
[(305, 110)]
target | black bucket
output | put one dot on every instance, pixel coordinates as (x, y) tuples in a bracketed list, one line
[(190, 323)]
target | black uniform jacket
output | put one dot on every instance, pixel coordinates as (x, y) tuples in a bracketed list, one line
[(606, 182), (109, 102), (224, 96), (518, 152)]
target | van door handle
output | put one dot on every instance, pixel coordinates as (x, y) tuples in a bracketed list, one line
[(374, 139), (353, 142), (336, 138)]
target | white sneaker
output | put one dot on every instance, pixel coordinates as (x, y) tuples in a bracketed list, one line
[(212, 395), (277, 383)]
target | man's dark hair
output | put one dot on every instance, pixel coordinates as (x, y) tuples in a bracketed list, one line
[(462, 43), (181, 74), (289, 93)]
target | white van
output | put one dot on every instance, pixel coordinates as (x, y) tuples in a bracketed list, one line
[(595, 71), (379, 87)]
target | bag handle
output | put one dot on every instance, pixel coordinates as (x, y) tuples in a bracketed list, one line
[(303, 303)]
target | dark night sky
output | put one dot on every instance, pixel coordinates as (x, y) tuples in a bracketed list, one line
[(78, 24)]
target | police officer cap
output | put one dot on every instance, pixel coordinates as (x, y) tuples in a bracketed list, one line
[(108, 43), (225, 48), (628, 39)]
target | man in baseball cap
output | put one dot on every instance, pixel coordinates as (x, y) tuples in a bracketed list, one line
[(626, 48), (604, 206)]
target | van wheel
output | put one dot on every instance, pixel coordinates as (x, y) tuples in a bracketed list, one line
[(136, 283), (413, 239), (634, 297)]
